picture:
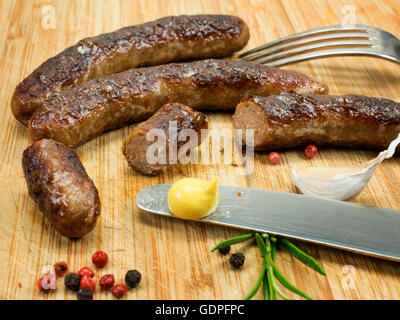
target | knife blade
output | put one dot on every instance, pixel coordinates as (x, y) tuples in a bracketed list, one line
[(355, 227)]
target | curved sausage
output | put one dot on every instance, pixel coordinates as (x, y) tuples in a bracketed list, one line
[(161, 41), (291, 119), (76, 115), (136, 145), (60, 186)]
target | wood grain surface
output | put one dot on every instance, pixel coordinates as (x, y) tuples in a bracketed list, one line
[(174, 256)]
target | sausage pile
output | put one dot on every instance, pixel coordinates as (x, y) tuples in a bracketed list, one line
[(59, 101), (95, 86)]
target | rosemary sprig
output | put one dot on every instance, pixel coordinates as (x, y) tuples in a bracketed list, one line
[(302, 256), (279, 276), (231, 241), (258, 283), (270, 275)]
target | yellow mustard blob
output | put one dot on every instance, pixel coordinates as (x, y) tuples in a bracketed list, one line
[(192, 198)]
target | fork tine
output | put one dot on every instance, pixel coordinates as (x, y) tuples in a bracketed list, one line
[(311, 32), (316, 46), (330, 53), (304, 41)]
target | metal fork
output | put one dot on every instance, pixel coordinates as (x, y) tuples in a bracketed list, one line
[(356, 40)]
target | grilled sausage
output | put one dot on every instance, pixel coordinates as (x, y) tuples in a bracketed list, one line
[(135, 146), (291, 119), (161, 41), (58, 183), (76, 115)]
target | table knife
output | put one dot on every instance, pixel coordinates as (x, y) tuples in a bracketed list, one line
[(346, 225)]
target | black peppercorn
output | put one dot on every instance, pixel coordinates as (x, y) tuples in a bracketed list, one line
[(237, 260), (132, 278), (225, 250), (72, 281), (85, 294)]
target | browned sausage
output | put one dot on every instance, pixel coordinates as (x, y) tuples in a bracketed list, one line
[(58, 183), (136, 145), (290, 120), (76, 115), (161, 41)]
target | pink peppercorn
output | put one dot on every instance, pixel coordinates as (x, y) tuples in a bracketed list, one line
[(100, 259), (119, 290), (107, 282), (274, 157)]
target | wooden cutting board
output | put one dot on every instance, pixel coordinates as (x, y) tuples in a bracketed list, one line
[(174, 256)]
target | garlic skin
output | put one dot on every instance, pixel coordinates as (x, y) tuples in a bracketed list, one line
[(339, 183)]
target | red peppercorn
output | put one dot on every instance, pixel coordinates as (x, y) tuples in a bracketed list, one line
[(274, 157), (310, 151), (119, 290), (86, 271), (61, 268), (88, 283), (100, 259), (106, 282), (40, 283), (46, 283)]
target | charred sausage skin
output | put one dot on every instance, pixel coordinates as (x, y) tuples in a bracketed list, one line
[(135, 145), (60, 186), (165, 40), (76, 115), (290, 120)]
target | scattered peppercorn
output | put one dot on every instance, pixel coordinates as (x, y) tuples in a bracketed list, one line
[(310, 151), (61, 268), (132, 278), (86, 271), (88, 283), (225, 250), (237, 260), (106, 282), (44, 283), (119, 290), (85, 294), (72, 281), (100, 259), (274, 157)]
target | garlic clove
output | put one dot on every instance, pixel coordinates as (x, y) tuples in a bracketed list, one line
[(331, 184), (339, 183)]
